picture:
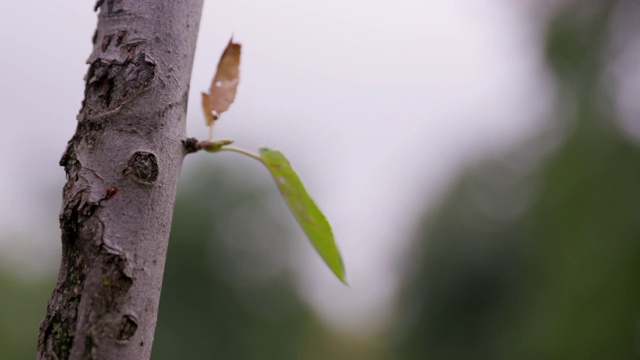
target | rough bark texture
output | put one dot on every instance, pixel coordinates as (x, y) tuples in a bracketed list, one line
[(122, 168)]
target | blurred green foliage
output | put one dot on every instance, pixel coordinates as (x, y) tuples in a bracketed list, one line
[(22, 307), (206, 307), (532, 255), (228, 291)]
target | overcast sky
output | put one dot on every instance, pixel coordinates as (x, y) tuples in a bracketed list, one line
[(377, 104)]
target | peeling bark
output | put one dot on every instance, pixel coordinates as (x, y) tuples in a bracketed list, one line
[(122, 167)]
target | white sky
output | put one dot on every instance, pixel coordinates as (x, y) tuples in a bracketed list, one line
[(376, 103)]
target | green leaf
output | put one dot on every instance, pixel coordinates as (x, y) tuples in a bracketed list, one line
[(304, 209)]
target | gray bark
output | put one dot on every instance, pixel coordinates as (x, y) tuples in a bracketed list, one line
[(122, 167)]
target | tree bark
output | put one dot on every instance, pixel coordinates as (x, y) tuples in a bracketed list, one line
[(122, 167)]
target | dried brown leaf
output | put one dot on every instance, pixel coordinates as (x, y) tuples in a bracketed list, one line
[(225, 84), (206, 107)]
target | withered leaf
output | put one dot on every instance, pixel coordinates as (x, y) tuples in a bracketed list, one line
[(224, 86), (206, 107)]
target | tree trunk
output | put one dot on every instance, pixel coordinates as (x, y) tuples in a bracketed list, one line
[(122, 167)]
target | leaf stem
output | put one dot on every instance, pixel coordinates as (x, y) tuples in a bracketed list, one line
[(242, 151), (210, 132)]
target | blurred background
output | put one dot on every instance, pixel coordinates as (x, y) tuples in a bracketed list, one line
[(478, 160)]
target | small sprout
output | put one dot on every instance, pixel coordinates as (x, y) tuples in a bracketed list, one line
[(213, 146), (221, 95)]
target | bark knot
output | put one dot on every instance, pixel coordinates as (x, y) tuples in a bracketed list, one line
[(143, 166), (110, 84), (127, 328)]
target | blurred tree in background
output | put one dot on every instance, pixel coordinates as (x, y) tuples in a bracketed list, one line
[(226, 288), (538, 255), (21, 311), (228, 291), (534, 254)]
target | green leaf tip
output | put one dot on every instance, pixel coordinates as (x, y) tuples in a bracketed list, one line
[(304, 210)]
